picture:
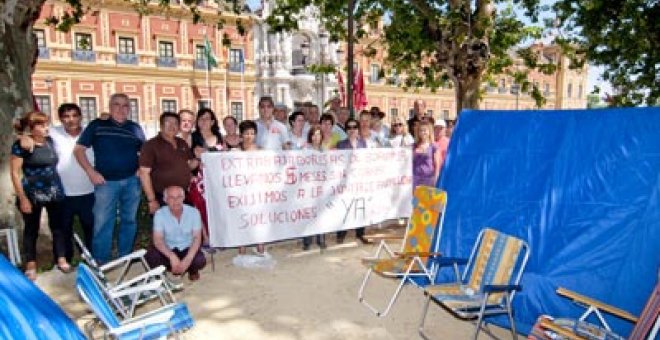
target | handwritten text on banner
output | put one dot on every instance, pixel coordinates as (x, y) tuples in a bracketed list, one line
[(264, 196)]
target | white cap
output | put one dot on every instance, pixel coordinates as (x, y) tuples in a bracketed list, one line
[(281, 106), (440, 122)]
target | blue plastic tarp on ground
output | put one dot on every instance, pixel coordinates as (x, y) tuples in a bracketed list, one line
[(26, 312), (582, 187)]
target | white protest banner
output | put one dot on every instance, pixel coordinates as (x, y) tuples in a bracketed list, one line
[(264, 196)]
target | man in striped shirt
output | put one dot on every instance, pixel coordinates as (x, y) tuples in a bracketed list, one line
[(116, 143)]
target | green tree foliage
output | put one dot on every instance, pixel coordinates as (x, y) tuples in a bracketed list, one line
[(437, 43), (621, 35)]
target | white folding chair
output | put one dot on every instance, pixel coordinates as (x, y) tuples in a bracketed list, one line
[(171, 318), (126, 306), (12, 245)]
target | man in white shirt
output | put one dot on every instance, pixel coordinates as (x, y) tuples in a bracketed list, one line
[(281, 113), (271, 134), (78, 189)]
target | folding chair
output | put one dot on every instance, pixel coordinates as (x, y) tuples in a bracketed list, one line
[(9, 231), (158, 323), (646, 326), (488, 284), (414, 262), (12, 245), (124, 263), (124, 305)]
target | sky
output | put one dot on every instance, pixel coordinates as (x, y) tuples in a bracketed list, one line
[(595, 72)]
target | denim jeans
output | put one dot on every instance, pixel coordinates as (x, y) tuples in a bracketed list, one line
[(123, 196)]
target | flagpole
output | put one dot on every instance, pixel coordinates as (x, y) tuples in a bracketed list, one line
[(242, 65), (210, 62), (208, 81), (226, 95), (349, 58), (243, 91)]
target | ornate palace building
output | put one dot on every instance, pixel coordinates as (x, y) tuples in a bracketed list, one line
[(159, 61)]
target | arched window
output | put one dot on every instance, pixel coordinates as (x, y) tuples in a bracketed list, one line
[(300, 51)]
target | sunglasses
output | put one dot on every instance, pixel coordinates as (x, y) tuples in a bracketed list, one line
[(397, 124), (351, 127)]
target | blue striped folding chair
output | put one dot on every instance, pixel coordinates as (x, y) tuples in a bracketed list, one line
[(169, 319), (489, 281)]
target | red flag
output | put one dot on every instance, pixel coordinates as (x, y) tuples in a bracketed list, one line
[(359, 94), (342, 88)]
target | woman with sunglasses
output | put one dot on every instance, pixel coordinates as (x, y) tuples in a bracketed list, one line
[(399, 136), (353, 141)]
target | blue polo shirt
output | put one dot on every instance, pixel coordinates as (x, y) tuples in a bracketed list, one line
[(177, 233), (116, 147)]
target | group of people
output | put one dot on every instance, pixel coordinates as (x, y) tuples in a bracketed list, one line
[(99, 172)]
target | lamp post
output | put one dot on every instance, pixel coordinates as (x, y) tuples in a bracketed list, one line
[(515, 89), (322, 46), (349, 56)]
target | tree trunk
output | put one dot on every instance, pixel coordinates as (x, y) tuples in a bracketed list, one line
[(18, 49), (467, 93)]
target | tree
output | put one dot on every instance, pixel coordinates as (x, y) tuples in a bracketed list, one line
[(460, 43), (623, 37), (18, 48), (18, 57)]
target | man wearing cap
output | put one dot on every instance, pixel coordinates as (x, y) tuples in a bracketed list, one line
[(280, 113), (441, 139), (379, 131)]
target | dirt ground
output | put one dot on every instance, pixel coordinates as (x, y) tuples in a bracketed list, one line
[(307, 295)]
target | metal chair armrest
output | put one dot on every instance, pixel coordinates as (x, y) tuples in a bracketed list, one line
[(136, 255), (378, 237), (406, 255), (446, 261), (154, 273), (501, 288), (148, 287), (579, 298)]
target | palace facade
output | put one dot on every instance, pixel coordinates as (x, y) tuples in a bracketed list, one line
[(159, 61)]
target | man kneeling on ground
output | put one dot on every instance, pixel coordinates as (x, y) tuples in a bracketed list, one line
[(177, 236)]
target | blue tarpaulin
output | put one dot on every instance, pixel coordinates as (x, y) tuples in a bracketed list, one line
[(582, 187), (26, 312)]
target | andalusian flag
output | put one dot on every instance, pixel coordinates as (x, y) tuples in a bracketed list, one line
[(208, 53)]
